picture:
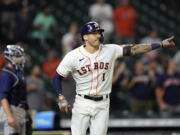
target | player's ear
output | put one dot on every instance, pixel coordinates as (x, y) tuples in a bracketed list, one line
[(85, 37)]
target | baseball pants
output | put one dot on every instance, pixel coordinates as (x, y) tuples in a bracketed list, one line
[(88, 113), (19, 115)]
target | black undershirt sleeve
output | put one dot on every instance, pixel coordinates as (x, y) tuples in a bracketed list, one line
[(127, 50)]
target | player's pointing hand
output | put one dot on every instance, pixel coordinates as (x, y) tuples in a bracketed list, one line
[(168, 43)]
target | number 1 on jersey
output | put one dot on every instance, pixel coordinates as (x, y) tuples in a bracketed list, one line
[(103, 79)]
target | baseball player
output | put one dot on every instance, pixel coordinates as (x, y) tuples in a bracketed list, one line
[(13, 91), (91, 66)]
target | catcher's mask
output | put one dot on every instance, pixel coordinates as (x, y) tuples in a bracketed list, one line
[(91, 27), (15, 55)]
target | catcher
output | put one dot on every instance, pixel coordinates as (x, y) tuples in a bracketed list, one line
[(14, 108)]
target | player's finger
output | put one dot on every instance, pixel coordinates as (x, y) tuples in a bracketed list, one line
[(69, 108), (62, 109), (66, 109), (173, 46), (171, 38)]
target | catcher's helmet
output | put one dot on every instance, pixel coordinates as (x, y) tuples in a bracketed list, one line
[(14, 50), (91, 27)]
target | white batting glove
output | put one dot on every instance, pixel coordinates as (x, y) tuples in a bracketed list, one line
[(168, 43)]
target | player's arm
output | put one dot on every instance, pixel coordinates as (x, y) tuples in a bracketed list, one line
[(7, 110), (159, 98), (6, 107), (57, 84), (135, 49), (5, 104), (6, 83)]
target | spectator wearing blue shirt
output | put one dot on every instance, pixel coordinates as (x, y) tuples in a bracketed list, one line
[(118, 84), (13, 92), (168, 92), (139, 86)]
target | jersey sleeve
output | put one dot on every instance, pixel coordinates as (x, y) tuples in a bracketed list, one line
[(118, 51), (66, 66), (6, 82)]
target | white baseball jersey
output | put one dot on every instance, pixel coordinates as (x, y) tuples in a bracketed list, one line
[(92, 72)]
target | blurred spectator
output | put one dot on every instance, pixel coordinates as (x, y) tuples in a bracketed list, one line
[(2, 62), (124, 18), (49, 66), (23, 22), (153, 73), (71, 39), (9, 10), (139, 85), (163, 61), (29, 64), (174, 5), (152, 37), (44, 27), (68, 85), (168, 92), (102, 13), (118, 84), (176, 59), (35, 89)]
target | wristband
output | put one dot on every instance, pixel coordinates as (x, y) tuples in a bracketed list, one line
[(155, 46)]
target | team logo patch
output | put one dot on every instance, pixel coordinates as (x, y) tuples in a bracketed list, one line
[(90, 28)]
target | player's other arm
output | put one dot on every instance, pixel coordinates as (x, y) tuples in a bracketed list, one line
[(57, 84), (135, 49), (6, 83), (6, 106)]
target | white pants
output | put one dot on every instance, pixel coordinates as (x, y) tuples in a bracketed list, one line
[(88, 113), (19, 115)]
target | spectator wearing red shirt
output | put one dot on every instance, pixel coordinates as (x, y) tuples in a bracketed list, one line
[(2, 62), (49, 66), (125, 17)]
